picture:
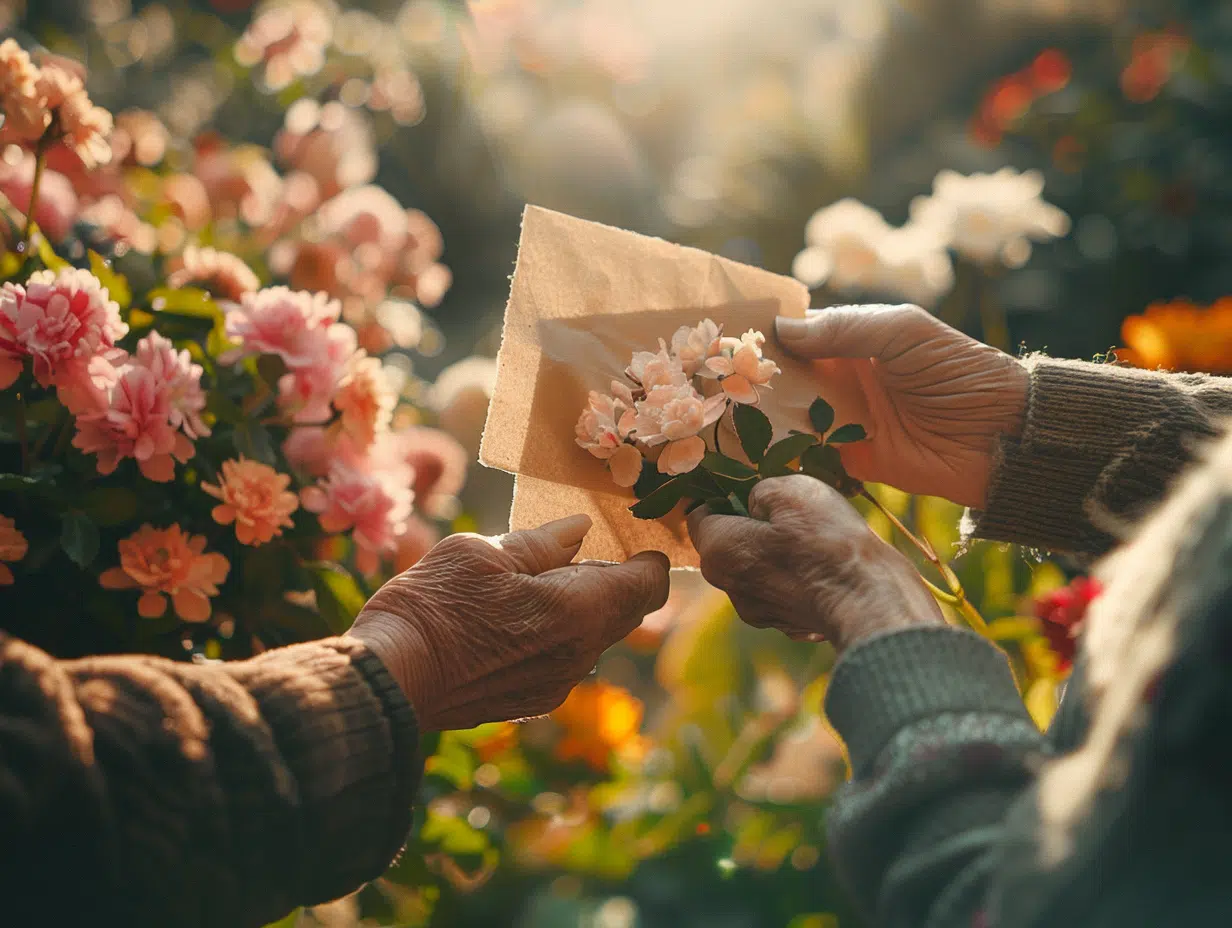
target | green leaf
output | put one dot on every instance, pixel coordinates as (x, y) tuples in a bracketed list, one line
[(822, 462), (649, 480), (338, 596), (846, 433), (754, 429), (720, 465), (19, 483), (779, 455), (271, 367), (110, 505), (663, 500), (453, 835), (186, 301), (720, 506), (115, 282), (79, 538), (821, 414), (224, 408), (253, 441), (46, 253)]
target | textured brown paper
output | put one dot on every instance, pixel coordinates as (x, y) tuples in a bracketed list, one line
[(585, 297)]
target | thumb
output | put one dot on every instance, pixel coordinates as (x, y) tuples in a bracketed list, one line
[(847, 331), (551, 546), (622, 594)]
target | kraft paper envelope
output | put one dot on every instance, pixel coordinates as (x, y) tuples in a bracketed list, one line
[(585, 297)]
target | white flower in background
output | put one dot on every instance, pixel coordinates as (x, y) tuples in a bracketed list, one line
[(675, 414), (843, 247), (740, 367), (991, 217), (694, 345), (851, 247), (916, 264), (656, 369)]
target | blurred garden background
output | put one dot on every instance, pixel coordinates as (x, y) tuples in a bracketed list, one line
[(382, 152)]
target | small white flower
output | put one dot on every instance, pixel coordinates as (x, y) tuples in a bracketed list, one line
[(991, 217), (673, 415), (693, 345), (598, 428), (656, 369), (741, 368)]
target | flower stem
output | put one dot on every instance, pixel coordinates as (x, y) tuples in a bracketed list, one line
[(22, 437), (40, 160), (957, 596)]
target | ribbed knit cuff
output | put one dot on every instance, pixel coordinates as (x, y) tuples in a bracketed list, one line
[(886, 683), (350, 739), (1099, 442)]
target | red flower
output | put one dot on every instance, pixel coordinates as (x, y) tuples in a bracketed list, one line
[(1061, 614)]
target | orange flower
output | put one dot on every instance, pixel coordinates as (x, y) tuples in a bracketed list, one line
[(168, 562), (1180, 336), (13, 547), (255, 497), (600, 720), (365, 400), (500, 740)]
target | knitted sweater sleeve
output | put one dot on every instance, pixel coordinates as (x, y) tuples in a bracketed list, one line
[(941, 748), (147, 792), (1099, 444)]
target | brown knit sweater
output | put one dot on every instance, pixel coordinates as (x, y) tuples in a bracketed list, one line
[(137, 791)]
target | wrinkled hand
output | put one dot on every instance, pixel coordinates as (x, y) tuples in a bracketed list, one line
[(933, 400), (807, 564), (490, 629)]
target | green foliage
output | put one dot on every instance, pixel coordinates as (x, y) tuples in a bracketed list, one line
[(754, 430), (821, 414), (781, 454), (79, 538), (339, 597), (845, 434)]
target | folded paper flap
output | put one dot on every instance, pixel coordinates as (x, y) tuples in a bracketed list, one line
[(584, 298)]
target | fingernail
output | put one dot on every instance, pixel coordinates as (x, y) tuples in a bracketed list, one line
[(790, 329), (570, 530), (663, 559)]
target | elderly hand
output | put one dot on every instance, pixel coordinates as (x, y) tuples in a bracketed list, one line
[(489, 629), (807, 564), (933, 400)]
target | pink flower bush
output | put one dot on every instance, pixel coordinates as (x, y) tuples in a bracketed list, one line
[(219, 272), (302, 329), (365, 400), (168, 562), (740, 367), (330, 142), (79, 124), (150, 409), (372, 509), (255, 497), (60, 320), (288, 40)]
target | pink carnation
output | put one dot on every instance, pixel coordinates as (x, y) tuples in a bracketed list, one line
[(439, 463), (220, 272), (186, 399), (61, 320), (373, 510), (281, 321), (150, 409), (306, 390)]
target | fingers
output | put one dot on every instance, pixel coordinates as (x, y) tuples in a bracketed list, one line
[(537, 550), (847, 331), (797, 496), (728, 546)]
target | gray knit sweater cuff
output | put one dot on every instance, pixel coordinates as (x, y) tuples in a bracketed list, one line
[(1099, 444), (889, 682)]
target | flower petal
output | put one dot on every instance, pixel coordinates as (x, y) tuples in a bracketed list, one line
[(115, 578), (151, 605), (191, 606), (680, 457), (625, 465), (739, 389)]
